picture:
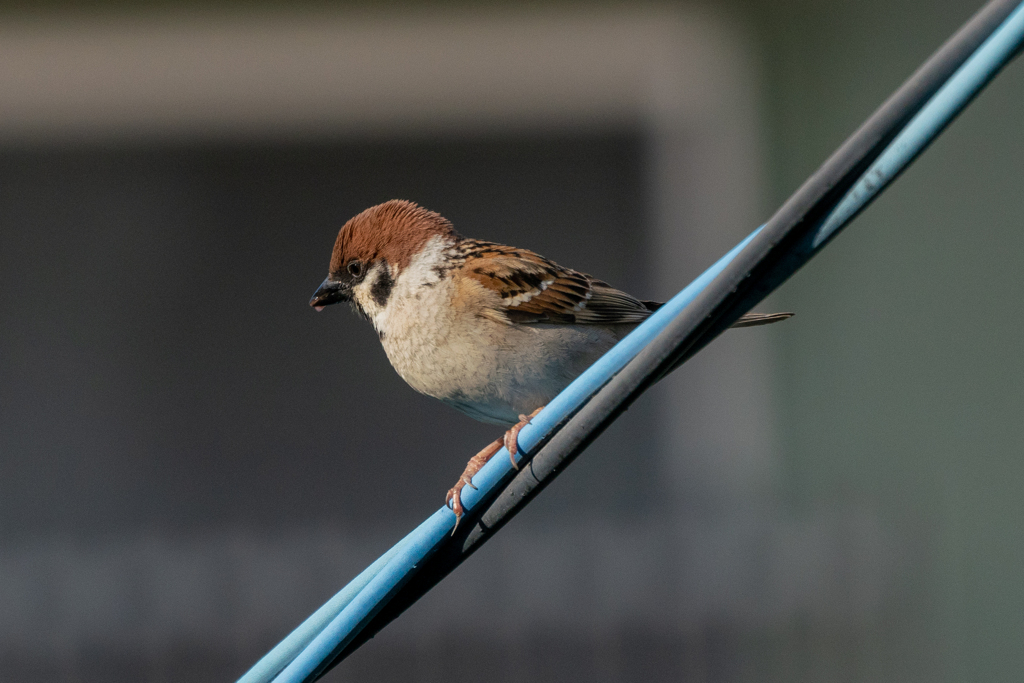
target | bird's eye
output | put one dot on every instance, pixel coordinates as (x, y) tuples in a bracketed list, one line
[(355, 268)]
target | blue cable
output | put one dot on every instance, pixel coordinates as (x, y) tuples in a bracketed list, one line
[(944, 105), (340, 620), (271, 663), (416, 546)]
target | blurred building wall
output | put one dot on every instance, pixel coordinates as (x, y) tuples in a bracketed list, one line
[(197, 461), (194, 461)]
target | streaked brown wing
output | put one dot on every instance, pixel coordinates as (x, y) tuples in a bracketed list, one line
[(536, 290)]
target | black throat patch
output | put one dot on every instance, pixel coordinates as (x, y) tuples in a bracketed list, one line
[(381, 289)]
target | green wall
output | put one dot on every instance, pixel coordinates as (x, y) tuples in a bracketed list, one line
[(901, 381)]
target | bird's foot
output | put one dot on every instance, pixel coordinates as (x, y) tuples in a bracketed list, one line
[(510, 441), (511, 438), (454, 497)]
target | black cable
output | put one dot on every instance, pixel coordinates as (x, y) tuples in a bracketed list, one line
[(781, 248)]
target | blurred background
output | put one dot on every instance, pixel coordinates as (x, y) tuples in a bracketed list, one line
[(192, 461)]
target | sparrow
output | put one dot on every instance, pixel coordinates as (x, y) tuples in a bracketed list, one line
[(493, 331)]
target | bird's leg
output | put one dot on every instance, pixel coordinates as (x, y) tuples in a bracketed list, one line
[(454, 497), (512, 435), (509, 441)]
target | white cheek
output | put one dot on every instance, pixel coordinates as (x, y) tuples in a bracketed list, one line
[(415, 297)]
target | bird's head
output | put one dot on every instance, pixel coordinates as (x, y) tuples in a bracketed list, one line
[(371, 251)]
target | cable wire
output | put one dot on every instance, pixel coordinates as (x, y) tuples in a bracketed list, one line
[(846, 183)]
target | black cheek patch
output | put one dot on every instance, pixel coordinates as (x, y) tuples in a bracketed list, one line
[(381, 289)]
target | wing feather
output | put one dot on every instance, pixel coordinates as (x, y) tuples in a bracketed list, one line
[(532, 289)]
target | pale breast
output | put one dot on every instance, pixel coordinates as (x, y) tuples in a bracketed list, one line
[(491, 370), (443, 338)]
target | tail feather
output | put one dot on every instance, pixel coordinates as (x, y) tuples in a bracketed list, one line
[(747, 320), (652, 306), (754, 319)]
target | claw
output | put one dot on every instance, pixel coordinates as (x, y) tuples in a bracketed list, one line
[(511, 438), (454, 501), (511, 444), (454, 497)]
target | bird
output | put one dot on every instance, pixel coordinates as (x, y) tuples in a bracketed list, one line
[(491, 330)]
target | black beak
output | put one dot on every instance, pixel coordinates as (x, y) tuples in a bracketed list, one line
[(330, 292)]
